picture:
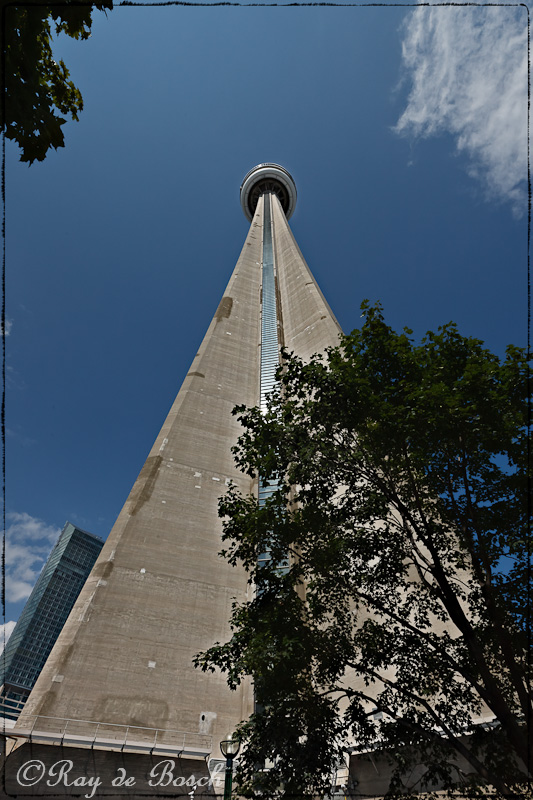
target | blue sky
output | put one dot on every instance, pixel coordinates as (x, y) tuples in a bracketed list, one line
[(405, 130)]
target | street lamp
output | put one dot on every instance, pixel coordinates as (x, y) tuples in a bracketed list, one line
[(229, 748)]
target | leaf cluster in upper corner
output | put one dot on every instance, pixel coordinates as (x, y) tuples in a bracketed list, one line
[(38, 93)]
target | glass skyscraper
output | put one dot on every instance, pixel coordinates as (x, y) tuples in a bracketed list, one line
[(44, 615)]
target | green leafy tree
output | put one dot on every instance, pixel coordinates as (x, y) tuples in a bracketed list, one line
[(37, 90), (402, 619)]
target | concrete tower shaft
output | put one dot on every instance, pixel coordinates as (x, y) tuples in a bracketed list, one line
[(121, 671)]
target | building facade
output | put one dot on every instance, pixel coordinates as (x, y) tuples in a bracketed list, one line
[(44, 615)]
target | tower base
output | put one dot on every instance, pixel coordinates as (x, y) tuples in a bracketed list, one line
[(57, 772)]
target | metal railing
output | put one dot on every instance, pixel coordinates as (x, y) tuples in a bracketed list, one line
[(112, 736)]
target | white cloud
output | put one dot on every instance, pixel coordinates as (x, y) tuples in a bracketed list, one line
[(6, 629), (28, 544), (9, 325), (468, 68)]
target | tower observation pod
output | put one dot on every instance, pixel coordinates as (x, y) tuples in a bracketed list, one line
[(119, 690), (268, 178)]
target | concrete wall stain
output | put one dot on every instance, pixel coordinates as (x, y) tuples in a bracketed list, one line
[(224, 308), (48, 704), (145, 484), (128, 710), (103, 569)]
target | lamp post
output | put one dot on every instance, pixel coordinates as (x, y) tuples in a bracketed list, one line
[(229, 748)]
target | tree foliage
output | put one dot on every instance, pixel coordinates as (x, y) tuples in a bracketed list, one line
[(37, 91), (402, 620)]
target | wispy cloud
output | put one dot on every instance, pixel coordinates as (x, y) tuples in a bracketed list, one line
[(28, 544), (9, 325), (468, 70)]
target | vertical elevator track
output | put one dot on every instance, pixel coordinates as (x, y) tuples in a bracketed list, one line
[(269, 347)]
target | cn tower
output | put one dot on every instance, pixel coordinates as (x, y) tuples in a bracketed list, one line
[(119, 689)]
